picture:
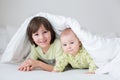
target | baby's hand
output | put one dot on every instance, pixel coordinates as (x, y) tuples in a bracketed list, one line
[(55, 71), (90, 72)]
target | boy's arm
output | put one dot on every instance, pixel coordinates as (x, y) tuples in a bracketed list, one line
[(42, 65), (31, 64)]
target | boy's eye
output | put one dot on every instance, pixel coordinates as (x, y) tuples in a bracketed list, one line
[(45, 31), (64, 44), (71, 42), (36, 34)]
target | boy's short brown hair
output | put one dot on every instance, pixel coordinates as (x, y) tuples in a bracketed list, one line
[(35, 24)]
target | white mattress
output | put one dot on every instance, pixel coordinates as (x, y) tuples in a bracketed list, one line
[(10, 72)]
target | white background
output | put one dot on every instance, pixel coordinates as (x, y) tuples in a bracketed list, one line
[(97, 16)]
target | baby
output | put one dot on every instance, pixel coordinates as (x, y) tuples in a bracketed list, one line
[(74, 53)]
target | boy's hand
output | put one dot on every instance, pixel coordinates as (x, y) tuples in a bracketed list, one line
[(25, 66)]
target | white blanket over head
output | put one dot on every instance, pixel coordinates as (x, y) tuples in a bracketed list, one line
[(102, 50)]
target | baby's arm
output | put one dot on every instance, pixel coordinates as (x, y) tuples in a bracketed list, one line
[(92, 67), (60, 64)]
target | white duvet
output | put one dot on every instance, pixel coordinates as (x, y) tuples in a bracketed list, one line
[(105, 51)]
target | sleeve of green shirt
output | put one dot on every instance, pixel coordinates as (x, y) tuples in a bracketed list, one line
[(92, 65), (61, 63), (33, 54)]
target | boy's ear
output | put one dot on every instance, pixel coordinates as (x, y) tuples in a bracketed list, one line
[(80, 44)]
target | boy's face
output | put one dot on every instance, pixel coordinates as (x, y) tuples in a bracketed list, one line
[(70, 43), (42, 37)]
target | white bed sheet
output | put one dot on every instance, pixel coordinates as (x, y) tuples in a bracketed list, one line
[(10, 72)]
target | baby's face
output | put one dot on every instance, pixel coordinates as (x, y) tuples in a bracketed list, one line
[(70, 44)]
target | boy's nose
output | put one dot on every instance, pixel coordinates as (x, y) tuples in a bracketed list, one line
[(41, 36)]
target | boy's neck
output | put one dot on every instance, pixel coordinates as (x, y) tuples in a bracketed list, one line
[(45, 50)]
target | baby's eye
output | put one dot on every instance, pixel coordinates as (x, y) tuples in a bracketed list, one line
[(71, 42), (64, 44)]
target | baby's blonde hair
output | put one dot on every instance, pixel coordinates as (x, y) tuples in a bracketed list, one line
[(67, 31)]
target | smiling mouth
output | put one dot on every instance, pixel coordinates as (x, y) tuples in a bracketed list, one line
[(43, 42)]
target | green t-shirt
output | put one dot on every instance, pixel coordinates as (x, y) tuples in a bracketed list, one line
[(81, 60), (52, 54)]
